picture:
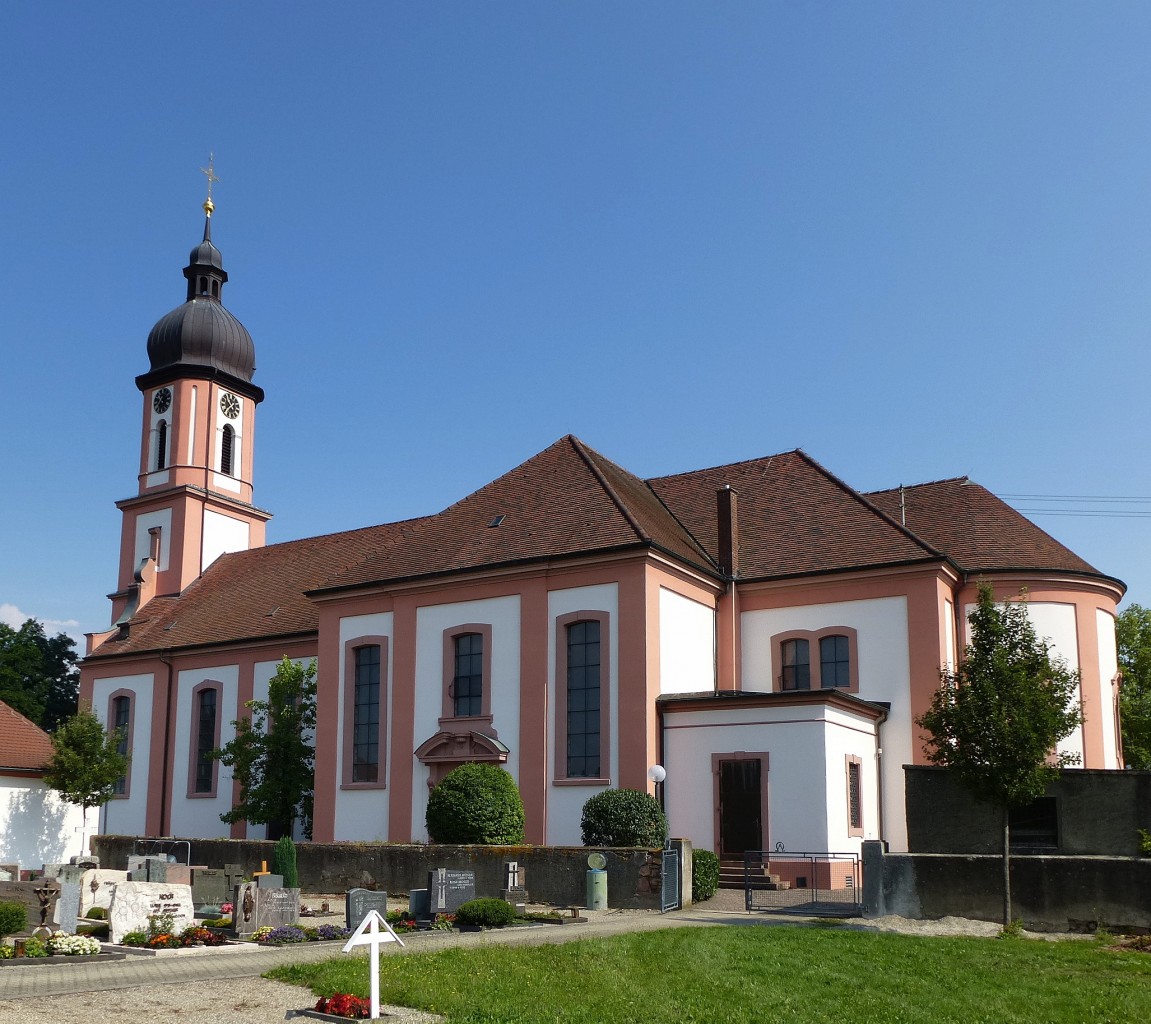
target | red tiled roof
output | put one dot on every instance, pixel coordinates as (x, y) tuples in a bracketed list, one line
[(794, 517), (978, 530), (252, 595), (23, 744), (567, 500)]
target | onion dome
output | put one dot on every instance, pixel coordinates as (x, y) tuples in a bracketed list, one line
[(201, 338)]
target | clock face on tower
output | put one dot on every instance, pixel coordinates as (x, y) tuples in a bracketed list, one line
[(162, 399), (229, 405)]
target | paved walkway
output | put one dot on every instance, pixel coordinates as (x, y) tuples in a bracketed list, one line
[(209, 965)]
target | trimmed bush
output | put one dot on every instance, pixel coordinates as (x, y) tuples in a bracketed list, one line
[(623, 817), (476, 803), (284, 862), (487, 911), (704, 875), (13, 918), (97, 914)]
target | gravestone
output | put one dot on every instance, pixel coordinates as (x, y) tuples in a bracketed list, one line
[(96, 888), (134, 902), (67, 910), (208, 888), (448, 888), (419, 904), (180, 874), (148, 869), (233, 876), (269, 881), (513, 891), (358, 902), (71, 873), (22, 893), (9, 872), (259, 907)]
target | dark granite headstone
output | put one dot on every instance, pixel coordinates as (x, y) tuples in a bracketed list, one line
[(208, 887), (270, 881), (419, 905), (358, 902), (259, 907), (449, 887)]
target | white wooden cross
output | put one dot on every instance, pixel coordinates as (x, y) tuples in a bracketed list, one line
[(370, 934)]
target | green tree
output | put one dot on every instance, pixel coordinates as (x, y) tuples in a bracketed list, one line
[(273, 755), (995, 721), (38, 673), (85, 764), (1133, 634), (476, 803)]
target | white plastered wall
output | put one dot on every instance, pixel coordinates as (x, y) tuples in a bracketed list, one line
[(884, 675), (200, 816), (127, 816), (221, 535), (36, 826), (1054, 622), (503, 615), (806, 778), (1108, 667), (565, 803), (162, 518), (362, 814), (686, 644)]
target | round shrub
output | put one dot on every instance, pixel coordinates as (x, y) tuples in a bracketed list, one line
[(623, 817), (704, 875), (487, 911), (476, 803), (13, 918), (97, 914)]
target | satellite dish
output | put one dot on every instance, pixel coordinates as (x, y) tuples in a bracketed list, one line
[(597, 861)]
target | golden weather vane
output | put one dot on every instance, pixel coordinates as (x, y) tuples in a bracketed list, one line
[(210, 174)]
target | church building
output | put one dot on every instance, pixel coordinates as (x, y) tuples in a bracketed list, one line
[(762, 630)]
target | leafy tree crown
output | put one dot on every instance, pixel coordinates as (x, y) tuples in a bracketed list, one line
[(996, 719), (85, 764)]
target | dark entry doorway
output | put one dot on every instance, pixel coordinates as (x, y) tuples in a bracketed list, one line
[(740, 807)]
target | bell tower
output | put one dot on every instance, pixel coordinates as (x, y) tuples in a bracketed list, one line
[(194, 500)]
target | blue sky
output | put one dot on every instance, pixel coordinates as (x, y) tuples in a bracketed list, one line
[(910, 238)]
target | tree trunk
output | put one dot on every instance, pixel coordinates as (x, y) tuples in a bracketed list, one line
[(1006, 867)]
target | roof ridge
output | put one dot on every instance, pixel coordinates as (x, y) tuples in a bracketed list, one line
[(586, 452), (727, 465), (964, 480), (860, 497)]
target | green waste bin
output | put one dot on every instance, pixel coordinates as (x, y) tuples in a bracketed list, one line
[(596, 889)]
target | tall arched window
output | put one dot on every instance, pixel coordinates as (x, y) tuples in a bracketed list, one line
[(161, 444), (227, 443)]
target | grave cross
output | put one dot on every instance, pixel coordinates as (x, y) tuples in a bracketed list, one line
[(369, 934)]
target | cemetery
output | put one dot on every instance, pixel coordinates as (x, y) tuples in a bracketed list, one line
[(158, 904)]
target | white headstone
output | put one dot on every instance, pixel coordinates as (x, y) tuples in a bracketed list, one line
[(101, 894), (134, 902), (67, 907)]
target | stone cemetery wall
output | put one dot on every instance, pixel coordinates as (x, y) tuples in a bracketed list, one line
[(555, 874)]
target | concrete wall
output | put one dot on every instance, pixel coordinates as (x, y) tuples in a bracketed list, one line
[(1048, 893), (1100, 813), (554, 874)]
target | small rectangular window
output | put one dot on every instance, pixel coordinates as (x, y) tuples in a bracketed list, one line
[(796, 674), (855, 796), (834, 662)]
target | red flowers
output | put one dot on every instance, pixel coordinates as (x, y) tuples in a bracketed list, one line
[(343, 1005)]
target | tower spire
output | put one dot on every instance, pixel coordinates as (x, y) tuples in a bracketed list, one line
[(209, 206)]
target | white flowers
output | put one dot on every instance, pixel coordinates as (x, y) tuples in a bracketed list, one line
[(62, 944)]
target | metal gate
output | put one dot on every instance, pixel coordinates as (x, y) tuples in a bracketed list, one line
[(819, 884), (669, 894)]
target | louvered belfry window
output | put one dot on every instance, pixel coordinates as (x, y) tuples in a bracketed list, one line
[(227, 443)]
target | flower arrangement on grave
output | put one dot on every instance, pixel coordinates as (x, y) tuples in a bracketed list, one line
[(35, 947), (401, 920), (341, 1004), (332, 931), (226, 908), (194, 935), (284, 935), (261, 933), (7, 952), (444, 922), (62, 944)]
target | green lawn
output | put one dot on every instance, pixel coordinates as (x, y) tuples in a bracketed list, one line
[(758, 974)]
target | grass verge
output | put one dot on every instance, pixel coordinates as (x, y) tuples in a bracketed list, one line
[(757, 974)]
